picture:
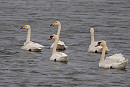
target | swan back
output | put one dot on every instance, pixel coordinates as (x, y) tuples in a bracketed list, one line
[(31, 46), (117, 56), (61, 45), (59, 57)]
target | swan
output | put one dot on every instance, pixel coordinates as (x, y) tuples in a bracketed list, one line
[(29, 45), (92, 48), (116, 61), (57, 56), (61, 44)]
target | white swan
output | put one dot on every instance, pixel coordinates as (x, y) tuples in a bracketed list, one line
[(116, 61), (61, 44), (57, 56), (29, 45), (92, 47)]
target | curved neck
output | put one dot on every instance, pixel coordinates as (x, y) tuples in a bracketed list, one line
[(92, 37), (59, 29), (103, 55), (55, 45), (28, 35)]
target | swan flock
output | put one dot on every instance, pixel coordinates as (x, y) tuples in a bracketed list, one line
[(116, 61)]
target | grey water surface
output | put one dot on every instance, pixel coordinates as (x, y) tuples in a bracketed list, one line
[(18, 68)]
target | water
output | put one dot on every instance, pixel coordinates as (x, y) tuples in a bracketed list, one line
[(18, 68)]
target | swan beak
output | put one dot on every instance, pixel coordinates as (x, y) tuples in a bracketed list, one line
[(97, 45), (22, 27), (52, 24), (50, 38)]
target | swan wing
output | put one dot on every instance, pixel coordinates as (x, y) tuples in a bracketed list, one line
[(114, 61), (32, 45), (59, 56), (117, 57), (61, 45)]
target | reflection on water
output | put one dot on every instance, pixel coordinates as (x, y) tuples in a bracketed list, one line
[(56, 65), (112, 71)]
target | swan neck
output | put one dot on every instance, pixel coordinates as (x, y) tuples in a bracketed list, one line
[(92, 37), (28, 35), (55, 45), (59, 29), (103, 55)]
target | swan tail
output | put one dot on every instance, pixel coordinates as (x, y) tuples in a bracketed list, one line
[(123, 64), (36, 49)]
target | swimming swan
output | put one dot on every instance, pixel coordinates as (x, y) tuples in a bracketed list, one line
[(29, 45), (116, 61), (57, 56), (92, 47), (61, 44)]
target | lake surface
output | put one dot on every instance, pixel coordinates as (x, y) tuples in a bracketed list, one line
[(18, 68)]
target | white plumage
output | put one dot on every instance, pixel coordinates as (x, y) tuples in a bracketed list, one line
[(57, 56), (116, 61), (29, 45), (92, 47), (61, 44)]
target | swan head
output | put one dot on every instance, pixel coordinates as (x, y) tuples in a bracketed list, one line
[(101, 43), (53, 37), (26, 27), (92, 30), (57, 23)]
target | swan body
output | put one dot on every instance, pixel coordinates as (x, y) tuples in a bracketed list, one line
[(29, 45), (92, 48), (57, 56), (116, 61), (61, 44)]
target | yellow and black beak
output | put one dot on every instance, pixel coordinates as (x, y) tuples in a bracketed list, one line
[(53, 24), (22, 27)]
